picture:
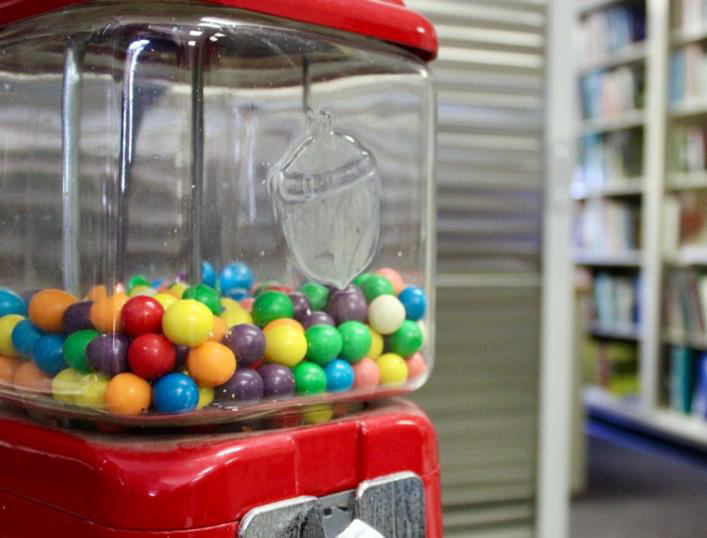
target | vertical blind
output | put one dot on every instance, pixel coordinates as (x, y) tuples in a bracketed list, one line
[(483, 395)]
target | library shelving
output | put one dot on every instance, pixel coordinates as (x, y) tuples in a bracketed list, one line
[(649, 156)]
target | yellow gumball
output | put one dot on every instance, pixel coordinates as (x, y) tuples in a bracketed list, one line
[(7, 325), (92, 388), (141, 290), (317, 414), (376, 348), (177, 289), (206, 396), (285, 345), (188, 323), (230, 304), (66, 385), (393, 369), (165, 299), (236, 316)]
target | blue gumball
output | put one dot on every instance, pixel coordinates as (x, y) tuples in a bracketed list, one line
[(236, 293), (208, 275), (11, 303), (339, 375), (414, 301), (236, 275), (24, 338), (48, 354), (175, 393)]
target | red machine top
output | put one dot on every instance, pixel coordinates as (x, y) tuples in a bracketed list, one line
[(386, 20)]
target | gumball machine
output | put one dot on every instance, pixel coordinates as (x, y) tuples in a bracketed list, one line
[(218, 239)]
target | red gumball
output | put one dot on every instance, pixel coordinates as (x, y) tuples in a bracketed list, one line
[(141, 315), (151, 356)]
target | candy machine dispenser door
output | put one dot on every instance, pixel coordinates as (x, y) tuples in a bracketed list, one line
[(327, 197)]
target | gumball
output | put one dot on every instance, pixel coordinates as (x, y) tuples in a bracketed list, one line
[(393, 277), (137, 280), (247, 343), (8, 367), (11, 303), (309, 378), (413, 299), (323, 344), (376, 348), (76, 317), (316, 294), (141, 315), (317, 414), (416, 365), (366, 374), (206, 295), (289, 322), (46, 309), (92, 390), (105, 313), (234, 317), (188, 322), (75, 349), (24, 337), (27, 295), (219, 330), (237, 294), (97, 292), (285, 345), (271, 305), (407, 339), (235, 275), (139, 291), (208, 275), (247, 304), (30, 378), (66, 385), (339, 376), (7, 326), (177, 289), (127, 394), (278, 380), (175, 393), (376, 285), (211, 364), (245, 384), (386, 314), (165, 299), (317, 317), (206, 397), (360, 279), (151, 356), (180, 364), (230, 304), (393, 369), (156, 283), (347, 305), (48, 353), (108, 353), (356, 340), (300, 305)]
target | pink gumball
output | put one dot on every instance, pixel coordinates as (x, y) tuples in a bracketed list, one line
[(394, 277), (247, 304), (366, 374), (416, 365)]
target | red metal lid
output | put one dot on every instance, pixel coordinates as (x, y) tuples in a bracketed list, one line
[(386, 20)]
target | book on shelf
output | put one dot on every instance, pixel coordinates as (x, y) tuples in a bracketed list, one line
[(681, 378), (610, 157), (699, 398), (610, 30), (610, 93), (689, 15), (685, 306), (688, 148), (607, 226), (693, 218), (616, 300), (688, 74), (612, 365)]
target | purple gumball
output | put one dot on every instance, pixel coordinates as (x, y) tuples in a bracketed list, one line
[(246, 341), (278, 380), (245, 384), (300, 304), (181, 359), (347, 304), (76, 317), (317, 318), (108, 353)]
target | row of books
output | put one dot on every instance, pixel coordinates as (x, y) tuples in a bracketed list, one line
[(687, 380), (611, 92), (610, 30), (615, 300), (689, 15), (688, 73), (607, 157), (688, 148), (607, 226), (611, 365), (685, 301)]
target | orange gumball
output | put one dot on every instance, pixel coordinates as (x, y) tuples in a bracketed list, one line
[(219, 329), (8, 367), (47, 307), (105, 313), (211, 364), (127, 394), (394, 277), (282, 322), (97, 292), (30, 378)]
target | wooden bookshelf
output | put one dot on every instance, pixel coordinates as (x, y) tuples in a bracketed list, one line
[(688, 256), (619, 187), (587, 6), (688, 109), (627, 332), (687, 180), (678, 338), (631, 258), (685, 37), (629, 120), (631, 54)]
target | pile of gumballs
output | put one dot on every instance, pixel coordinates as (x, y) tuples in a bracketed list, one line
[(174, 348)]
